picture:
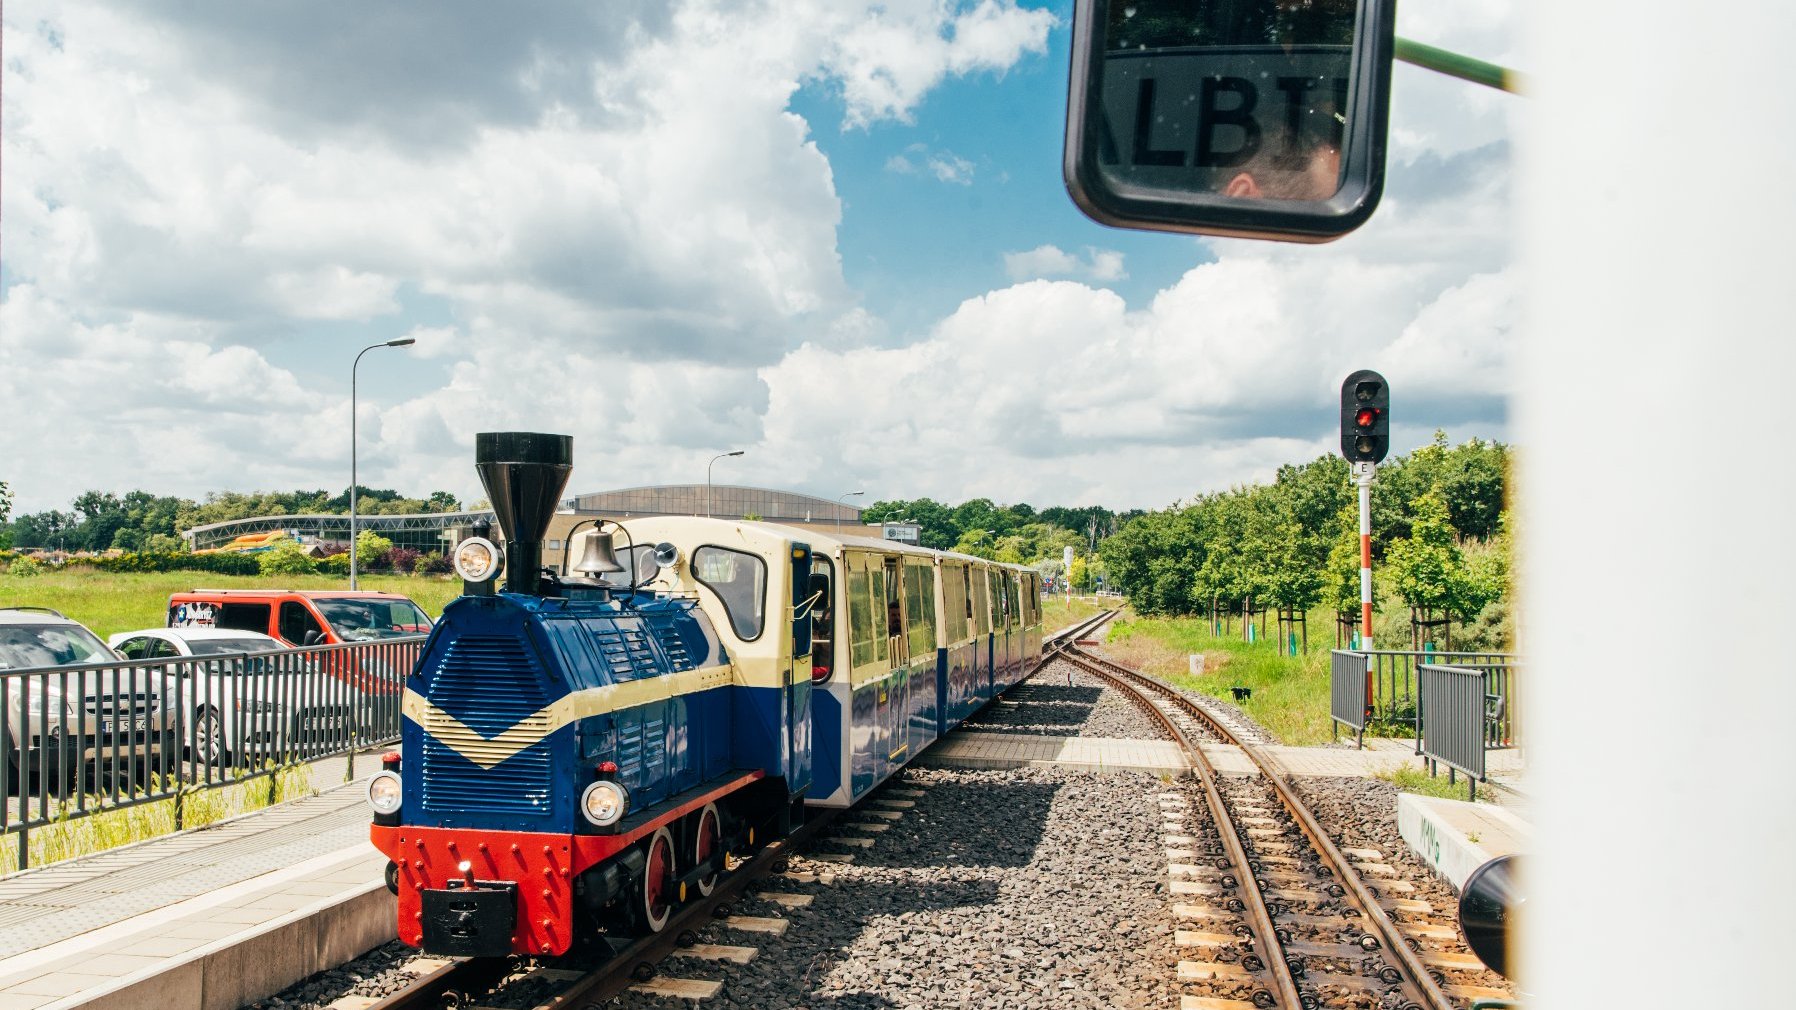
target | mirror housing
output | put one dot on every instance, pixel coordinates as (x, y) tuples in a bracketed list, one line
[(1186, 137), (1491, 898)]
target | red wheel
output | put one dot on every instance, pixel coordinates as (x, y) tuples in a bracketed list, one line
[(658, 882), (707, 841)]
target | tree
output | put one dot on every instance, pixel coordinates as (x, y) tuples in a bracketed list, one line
[(5, 515), (286, 558), (1428, 569)]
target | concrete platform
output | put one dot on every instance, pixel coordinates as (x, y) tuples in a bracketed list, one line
[(1455, 837), (208, 919)]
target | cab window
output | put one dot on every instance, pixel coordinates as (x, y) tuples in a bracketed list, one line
[(740, 582)]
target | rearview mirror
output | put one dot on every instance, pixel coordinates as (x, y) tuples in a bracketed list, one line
[(1241, 118)]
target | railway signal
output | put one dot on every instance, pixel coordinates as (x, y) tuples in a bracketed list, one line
[(1365, 441), (1365, 417)]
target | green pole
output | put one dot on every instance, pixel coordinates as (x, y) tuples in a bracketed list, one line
[(1463, 67)]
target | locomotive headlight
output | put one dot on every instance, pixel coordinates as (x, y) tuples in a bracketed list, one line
[(383, 793), (604, 803), (476, 559)]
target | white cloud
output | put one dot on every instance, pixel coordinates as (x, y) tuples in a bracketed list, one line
[(635, 240), (949, 167), (1052, 261)]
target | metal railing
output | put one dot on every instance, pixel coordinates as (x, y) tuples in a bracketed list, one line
[(1347, 695), (1392, 690), (82, 740), (1455, 720)]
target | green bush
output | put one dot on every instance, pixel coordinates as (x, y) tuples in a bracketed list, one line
[(336, 564), (25, 568), (176, 561), (286, 558)]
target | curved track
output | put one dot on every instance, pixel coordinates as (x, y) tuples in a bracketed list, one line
[(1280, 952)]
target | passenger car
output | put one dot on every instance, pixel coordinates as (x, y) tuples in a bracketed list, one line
[(245, 695), (86, 713)]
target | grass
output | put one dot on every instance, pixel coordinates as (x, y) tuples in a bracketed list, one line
[(1290, 693), (1058, 612), (109, 602), (68, 836), (1415, 780)]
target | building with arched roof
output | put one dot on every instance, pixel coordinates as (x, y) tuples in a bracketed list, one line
[(435, 531)]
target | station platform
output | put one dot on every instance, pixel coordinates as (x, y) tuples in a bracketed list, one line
[(964, 748), (1455, 837), (208, 919)]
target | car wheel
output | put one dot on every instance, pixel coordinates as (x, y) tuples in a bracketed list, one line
[(208, 738)]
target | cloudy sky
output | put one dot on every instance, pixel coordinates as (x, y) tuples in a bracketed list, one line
[(831, 233)]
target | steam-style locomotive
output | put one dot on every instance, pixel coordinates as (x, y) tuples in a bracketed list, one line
[(579, 752)]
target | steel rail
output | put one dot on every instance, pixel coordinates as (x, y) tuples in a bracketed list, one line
[(466, 981), (1247, 881), (1421, 984)]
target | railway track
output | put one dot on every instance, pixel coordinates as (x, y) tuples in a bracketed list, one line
[(1287, 920), (578, 984)]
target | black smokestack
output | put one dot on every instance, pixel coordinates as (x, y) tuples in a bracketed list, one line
[(524, 473)]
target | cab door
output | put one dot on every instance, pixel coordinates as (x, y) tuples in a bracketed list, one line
[(798, 674)]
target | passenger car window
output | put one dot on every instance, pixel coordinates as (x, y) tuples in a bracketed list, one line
[(740, 582)]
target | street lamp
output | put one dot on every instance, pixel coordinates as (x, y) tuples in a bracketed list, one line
[(354, 566), (840, 504), (714, 459)]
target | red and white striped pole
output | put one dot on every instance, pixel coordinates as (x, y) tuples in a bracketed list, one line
[(1362, 473)]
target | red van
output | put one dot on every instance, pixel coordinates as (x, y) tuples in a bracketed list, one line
[(303, 617)]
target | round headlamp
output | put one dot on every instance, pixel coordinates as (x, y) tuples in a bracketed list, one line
[(604, 803), (383, 793), (477, 559)]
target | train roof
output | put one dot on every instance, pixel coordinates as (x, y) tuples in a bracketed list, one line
[(824, 540)]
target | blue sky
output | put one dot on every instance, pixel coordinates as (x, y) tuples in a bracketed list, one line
[(832, 233)]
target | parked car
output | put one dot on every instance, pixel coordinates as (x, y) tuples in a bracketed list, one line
[(245, 694), (300, 618), (88, 713)]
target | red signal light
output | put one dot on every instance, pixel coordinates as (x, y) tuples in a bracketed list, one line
[(1365, 417)]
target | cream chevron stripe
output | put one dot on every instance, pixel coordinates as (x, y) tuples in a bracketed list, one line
[(487, 752)]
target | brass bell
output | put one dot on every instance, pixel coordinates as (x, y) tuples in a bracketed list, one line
[(599, 558)]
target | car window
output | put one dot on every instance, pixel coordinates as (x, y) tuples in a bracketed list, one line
[(161, 649), (364, 620), (296, 621), (244, 616), (136, 648), (23, 646)]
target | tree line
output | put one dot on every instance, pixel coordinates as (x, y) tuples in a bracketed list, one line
[(1015, 534), (140, 521), (1441, 543)]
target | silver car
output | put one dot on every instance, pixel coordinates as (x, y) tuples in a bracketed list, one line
[(247, 694), (79, 709)]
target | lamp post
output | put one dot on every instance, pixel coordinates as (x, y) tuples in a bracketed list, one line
[(354, 566), (714, 459), (840, 504)]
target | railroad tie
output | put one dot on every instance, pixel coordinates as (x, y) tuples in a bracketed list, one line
[(678, 988), (718, 952)]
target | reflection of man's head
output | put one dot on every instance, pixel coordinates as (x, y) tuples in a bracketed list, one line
[(1294, 156)]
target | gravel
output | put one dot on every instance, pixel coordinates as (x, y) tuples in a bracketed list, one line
[(1362, 813), (375, 974), (1063, 700), (1052, 896)]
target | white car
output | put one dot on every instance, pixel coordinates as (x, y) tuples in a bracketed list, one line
[(245, 705)]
